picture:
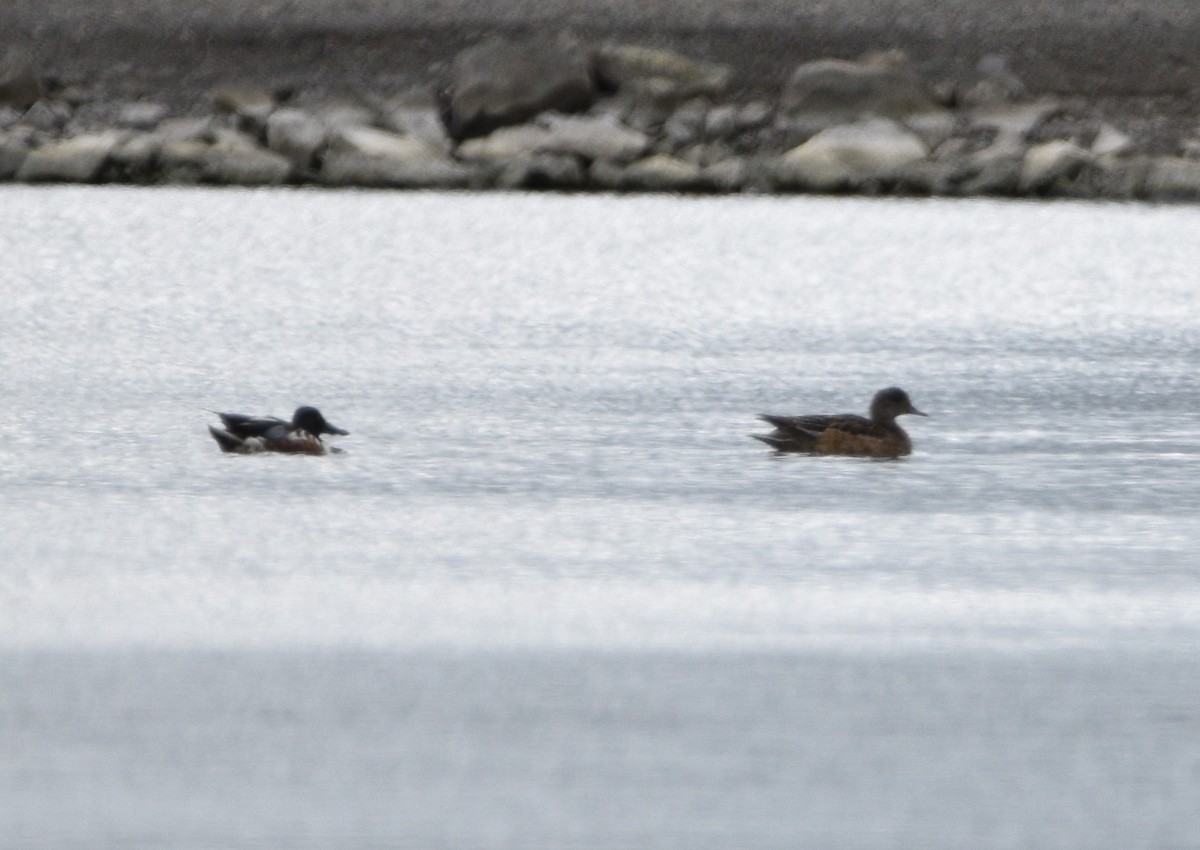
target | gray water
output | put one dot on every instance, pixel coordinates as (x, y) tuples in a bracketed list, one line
[(551, 595)]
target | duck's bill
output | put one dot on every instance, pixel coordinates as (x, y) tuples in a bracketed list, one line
[(917, 412), (332, 429)]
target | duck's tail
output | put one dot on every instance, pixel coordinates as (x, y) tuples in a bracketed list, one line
[(226, 441)]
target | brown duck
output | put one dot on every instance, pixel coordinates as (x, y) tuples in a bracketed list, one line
[(846, 433)]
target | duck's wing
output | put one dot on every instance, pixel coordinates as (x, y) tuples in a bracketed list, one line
[(802, 433), (244, 427)]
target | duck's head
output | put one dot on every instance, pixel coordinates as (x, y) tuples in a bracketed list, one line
[(890, 403), (310, 420)]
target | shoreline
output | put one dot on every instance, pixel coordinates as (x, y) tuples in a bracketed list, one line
[(1087, 99)]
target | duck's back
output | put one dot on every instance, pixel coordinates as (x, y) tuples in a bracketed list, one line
[(842, 434)]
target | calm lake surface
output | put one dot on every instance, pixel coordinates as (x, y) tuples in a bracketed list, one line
[(551, 595)]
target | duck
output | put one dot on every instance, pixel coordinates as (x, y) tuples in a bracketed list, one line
[(846, 433), (242, 434)]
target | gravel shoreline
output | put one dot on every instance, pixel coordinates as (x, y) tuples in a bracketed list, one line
[(1134, 65)]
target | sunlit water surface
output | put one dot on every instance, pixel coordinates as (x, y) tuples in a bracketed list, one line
[(551, 595)]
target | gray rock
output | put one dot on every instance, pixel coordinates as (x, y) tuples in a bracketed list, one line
[(416, 115), (686, 124), (141, 115), (250, 106), (8, 116), (847, 156), (1172, 178), (594, 137), (346, 168), (543, 171), (523, 140), (753, 115), (1117, 178), (13, 150), (587, 136), (232, 159), (661, 173), (1110, 141), (78, 160), (372, 141), (185, 129), (993, 171), (20, 84), (136, 157), (1045, 164), (659, 74), (182, 160), (244, 165), (49, 116), (368, 156), (296, 134), (733, 174), (1015, 121), (830, 92), (500, 82), (996, 84), (339, 114), (721, 122)]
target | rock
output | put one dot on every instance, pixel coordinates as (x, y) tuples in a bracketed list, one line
[(848, 156), (20, 84), (78, 160), (243, 163), (421, 172), (8, 117), (543, 171), (934, 128), (733, 174), (661, 173), (371, 141), (49, 116), (1045, 164), (1110, 141), (720, 122), (523, 140), (660, 74), (141, 115), (993, 171), (930, 177), (417, 119), (996, 84), (335, 115), (182, 160), (831, 92), (686, 124), (1172, 178), (500, 82), (13, 150), (296, 134), (185, 129), (250, 106), (594, 137), (136, 158), (586, 136), (366, 156), (1015, 121), (232, 159), (1118, 178)]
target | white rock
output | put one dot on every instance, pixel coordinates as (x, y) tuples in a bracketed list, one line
[(373, 142), (843, 156), (77, 160), (296, 134), (1045, 163), (1111, 142)]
